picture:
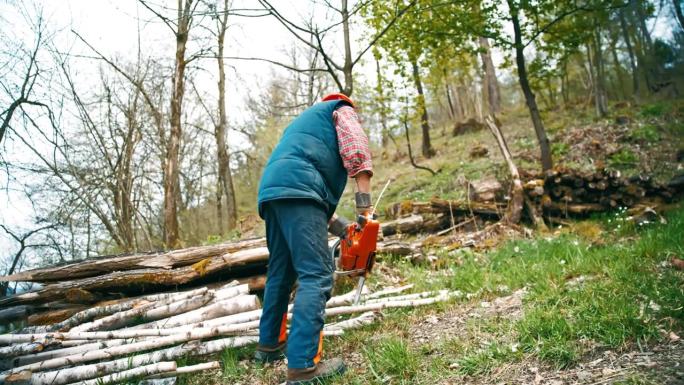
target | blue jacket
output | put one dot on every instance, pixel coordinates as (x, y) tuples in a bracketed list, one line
[(306, 163)]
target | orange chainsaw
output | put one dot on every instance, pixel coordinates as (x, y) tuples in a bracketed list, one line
[(357, 247)]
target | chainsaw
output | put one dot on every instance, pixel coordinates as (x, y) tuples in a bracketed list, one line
[(356, 249)]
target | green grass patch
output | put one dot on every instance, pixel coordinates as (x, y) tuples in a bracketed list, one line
[(392, 359)]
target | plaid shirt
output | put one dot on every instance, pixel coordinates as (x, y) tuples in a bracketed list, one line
[(353, 142)]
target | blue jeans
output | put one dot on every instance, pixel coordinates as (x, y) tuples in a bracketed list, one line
[(297, 239)]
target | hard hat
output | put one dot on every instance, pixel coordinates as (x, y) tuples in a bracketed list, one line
[(339, 96)]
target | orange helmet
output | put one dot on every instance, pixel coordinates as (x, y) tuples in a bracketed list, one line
[(338, 96)]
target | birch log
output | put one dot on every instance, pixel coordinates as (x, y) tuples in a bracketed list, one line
[(164, 340), (21, 349), (85, 372), (102, 311), (366, 318), (237, 305), (142, 371), (211, 365), (149, 313), (389, 291), (48, 354)]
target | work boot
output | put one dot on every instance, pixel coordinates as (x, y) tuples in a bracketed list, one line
[(265, 354), (317, 373)]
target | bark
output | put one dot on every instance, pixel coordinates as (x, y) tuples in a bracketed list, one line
[(383, 111), (103, 265), (539, 129), (172, 164), (491, 83), (427, 149), (410, 150), (348, 65), (678, 12), (225, 178), (142, 371), (389, 304), (599, 80), (515, 205), (21, 349), (630, 52)]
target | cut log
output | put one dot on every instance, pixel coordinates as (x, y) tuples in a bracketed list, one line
[(486, 190), (409, 225), (142, 371), (179, 276), (394, 248), (211, 365), (107, 264)]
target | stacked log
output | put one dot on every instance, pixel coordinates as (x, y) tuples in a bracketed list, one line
[(112, 349), (572, 193)]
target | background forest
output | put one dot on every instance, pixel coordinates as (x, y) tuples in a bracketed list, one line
[(160, 144)]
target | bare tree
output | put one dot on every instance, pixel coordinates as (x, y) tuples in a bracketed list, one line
[(181, 30), (224, 187), (18, 57), (23, 246), (313, 36)]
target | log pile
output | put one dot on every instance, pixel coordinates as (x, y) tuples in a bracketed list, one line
[(560, 193), (144, 337), (571, 193), (67, 289)]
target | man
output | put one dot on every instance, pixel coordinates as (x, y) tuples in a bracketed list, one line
[(298, 194)]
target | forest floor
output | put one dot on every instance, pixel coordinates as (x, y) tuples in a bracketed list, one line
[(595, 302)]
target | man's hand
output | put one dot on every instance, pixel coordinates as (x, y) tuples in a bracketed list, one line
[(338, 226)]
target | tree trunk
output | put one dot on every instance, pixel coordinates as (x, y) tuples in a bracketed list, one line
[(347, 68), (544, 145), (171, 167), (515, 205), (599, 79), (678, 11), (381, 105), (630, 53), (619, 71), (225, 177), (427, 149), (491, 83), (447, 89)]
